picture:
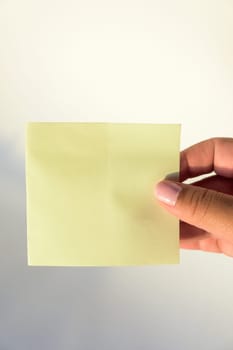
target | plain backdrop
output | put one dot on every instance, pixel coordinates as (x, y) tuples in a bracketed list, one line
[(167, 61)]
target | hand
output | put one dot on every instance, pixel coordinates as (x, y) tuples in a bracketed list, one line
[(205, 208)]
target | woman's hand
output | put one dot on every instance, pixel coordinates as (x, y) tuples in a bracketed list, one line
[(205, 208)]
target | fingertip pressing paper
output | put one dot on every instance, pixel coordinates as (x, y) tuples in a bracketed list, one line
[(90, 198)]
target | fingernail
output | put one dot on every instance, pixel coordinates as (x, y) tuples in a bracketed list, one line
[(167, 192)]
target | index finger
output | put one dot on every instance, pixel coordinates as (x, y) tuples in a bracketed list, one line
[(215, 154)]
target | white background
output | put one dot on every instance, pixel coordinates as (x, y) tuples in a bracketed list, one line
[(129, 61)]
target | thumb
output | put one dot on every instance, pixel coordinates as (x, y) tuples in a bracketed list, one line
[(209, 210)]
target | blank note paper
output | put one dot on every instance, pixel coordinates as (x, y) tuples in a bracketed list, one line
[(90, 195)]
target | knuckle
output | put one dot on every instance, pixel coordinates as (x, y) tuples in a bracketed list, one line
[(200, 204)]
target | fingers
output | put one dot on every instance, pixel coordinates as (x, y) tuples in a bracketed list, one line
[(213, 154), (217, 183), (207, 245), (210, 244), (191, 233), (192, 237), (208, 210)]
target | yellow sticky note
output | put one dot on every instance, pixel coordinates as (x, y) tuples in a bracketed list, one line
[(90, 195)]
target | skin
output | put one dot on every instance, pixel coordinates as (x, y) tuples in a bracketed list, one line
[(205, 208)]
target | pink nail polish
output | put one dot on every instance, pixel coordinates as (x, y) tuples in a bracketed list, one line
[(168, 192)]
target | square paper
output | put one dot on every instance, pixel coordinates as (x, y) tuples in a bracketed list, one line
[(90, 195)]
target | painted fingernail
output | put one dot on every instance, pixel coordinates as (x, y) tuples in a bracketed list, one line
[(167, 192)]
